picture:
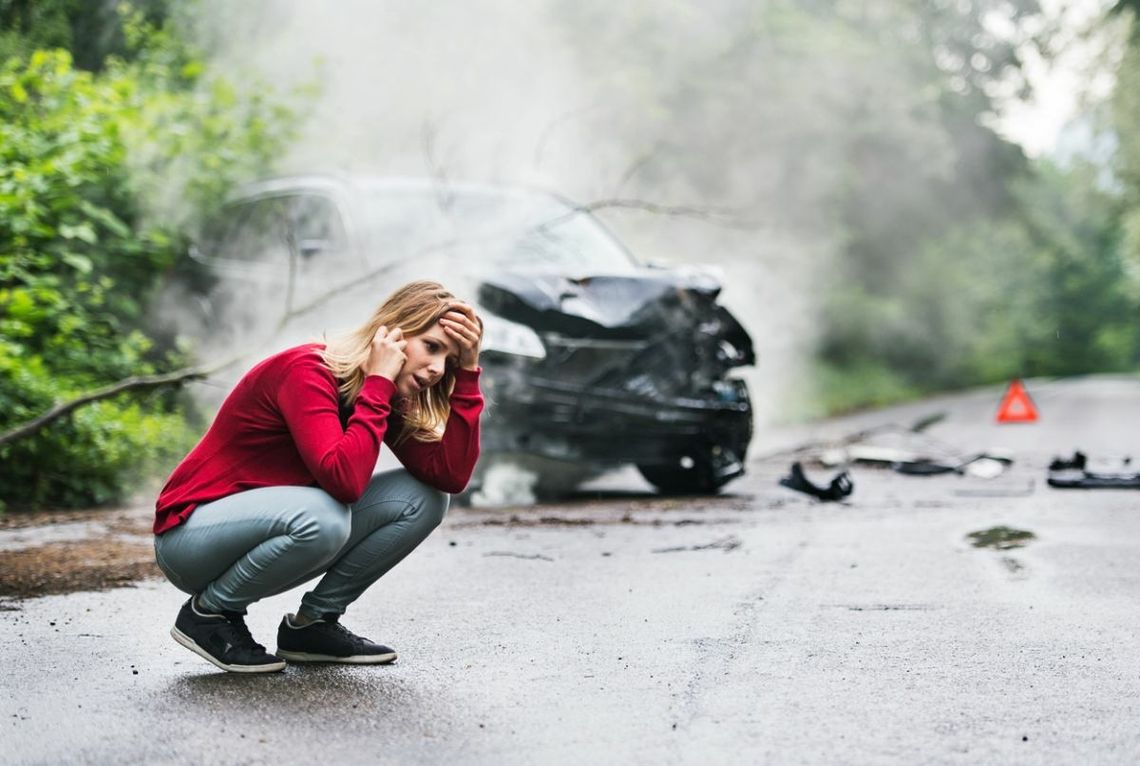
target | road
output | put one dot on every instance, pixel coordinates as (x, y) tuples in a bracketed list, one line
[(759, 626)]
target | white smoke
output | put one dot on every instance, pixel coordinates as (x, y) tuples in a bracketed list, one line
[(505, 484), (689, 103)]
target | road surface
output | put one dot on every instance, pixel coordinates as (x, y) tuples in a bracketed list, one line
[(759, 626)]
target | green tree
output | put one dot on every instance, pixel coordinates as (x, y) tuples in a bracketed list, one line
[(83, 158), (857, 131), (1125, 124)]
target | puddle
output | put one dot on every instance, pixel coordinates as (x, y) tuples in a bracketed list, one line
[(1001, 538)]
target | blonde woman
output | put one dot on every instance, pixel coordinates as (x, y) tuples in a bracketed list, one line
[(280, 489)]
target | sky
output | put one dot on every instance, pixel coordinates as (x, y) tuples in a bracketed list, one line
[(1079, 74)]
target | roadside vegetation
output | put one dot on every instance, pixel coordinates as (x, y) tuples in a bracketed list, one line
[(93, 140), (1019, 267), (957, 260)]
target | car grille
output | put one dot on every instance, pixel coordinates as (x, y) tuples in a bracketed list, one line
[(592, 362)]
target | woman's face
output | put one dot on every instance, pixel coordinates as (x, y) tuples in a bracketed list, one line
[(428, 356)]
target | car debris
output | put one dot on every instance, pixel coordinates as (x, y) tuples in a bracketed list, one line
[(983, 465), (1075, 473), (839, 487), (906, 450)]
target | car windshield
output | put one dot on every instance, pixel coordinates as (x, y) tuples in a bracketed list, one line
[(481, 231)]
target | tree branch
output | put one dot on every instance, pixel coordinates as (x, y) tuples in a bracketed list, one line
[(133, 383)]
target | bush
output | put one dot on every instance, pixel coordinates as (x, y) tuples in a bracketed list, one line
[(81, 256)]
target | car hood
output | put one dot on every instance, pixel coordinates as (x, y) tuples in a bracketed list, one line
[(628, 306)]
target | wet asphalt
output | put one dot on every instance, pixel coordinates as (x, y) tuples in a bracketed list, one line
[(759, 626)]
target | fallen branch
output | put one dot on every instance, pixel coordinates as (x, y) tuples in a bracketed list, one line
[(919, 426), (724, 216), (133, 383)]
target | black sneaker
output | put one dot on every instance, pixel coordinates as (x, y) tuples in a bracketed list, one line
[(326, 640), (224, 640)]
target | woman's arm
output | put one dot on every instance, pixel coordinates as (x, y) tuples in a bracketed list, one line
[(340, 459), (447, 464)]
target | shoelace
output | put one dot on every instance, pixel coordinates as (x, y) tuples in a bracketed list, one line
[(237, 633), (344, 632)]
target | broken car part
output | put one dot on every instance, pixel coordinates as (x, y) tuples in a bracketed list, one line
[(1074, 473), (840, 486), (983, 465)]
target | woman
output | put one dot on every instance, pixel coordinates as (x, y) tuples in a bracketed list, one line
[(280, 489)]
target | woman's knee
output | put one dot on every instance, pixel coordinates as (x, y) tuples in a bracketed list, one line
[(426, 505), (433, 506), (320, 522), (423, 503)]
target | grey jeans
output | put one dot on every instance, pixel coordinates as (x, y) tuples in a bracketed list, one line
[(261, 542)]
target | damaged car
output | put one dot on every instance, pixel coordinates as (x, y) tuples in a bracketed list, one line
[(591, 360)]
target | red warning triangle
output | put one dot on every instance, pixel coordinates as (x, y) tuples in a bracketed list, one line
[(1016, 406)]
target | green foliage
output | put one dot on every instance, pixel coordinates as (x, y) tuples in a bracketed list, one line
[(1004, 297), (860, 130), (99, 175), (857, 384), (1126, 125), (91, 31), (91, 457)]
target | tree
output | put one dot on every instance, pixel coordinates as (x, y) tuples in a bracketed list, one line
[(83, 248)]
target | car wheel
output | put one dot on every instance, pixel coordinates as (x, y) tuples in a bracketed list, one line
[(694, 476)]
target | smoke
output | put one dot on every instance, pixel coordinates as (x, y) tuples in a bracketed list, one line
[(753, 109), (505, 484)]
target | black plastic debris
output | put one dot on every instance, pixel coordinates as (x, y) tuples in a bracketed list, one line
[(1075, 463), (1075, 473), (840, 487)]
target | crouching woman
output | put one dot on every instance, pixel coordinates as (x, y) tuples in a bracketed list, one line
[(280, 489)]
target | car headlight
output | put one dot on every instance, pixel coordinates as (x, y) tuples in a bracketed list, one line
[(508, 337)]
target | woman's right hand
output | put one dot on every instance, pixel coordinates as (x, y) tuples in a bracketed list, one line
[(386, 357)]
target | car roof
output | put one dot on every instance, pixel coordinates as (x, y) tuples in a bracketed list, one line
[(348, 183)]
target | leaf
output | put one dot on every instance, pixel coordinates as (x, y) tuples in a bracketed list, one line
[(80, 263), (107, 218), (83, 231)]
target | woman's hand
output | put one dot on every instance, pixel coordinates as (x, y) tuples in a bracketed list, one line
[(462, 323), (386, 358)]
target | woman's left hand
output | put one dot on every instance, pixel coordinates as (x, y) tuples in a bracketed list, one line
[(462, 323)]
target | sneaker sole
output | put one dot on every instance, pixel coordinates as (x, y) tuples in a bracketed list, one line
[(192, 645), (356, 659)]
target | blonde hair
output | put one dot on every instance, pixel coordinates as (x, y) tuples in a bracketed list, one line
[(413, 308)]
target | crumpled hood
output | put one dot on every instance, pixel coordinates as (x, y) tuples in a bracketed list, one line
[(627, 306), (593, 304)]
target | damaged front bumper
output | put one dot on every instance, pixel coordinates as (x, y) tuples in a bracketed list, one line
[(563, 421), (618, 369)]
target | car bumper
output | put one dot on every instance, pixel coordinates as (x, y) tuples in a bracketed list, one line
[(568, 422)]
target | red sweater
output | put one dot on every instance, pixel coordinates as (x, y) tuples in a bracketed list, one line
[(280, 426)]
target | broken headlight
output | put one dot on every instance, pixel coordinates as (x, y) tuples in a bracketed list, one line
[(506, 337)]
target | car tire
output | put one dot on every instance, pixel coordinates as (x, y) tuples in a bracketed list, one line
[(676, 479)]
